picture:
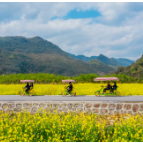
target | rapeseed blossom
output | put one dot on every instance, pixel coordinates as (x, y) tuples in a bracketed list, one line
[(81, 89), (69, 127)]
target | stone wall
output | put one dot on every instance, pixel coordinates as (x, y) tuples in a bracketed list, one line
[(97, 107)]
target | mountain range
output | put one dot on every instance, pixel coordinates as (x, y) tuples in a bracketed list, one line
[(33, 55), (36, 55), (108, 61)]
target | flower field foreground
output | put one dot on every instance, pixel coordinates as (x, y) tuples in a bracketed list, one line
[(80, 88), (70, 127)]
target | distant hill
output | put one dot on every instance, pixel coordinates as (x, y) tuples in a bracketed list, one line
[(99, 63), (134, 70), (36, 55), (124, 62), (95, 61), (82, 57), (108, 61)]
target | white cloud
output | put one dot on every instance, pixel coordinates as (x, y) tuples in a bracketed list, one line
[(116, 33)]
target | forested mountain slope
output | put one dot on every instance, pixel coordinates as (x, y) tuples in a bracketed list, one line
[(134, 70), (36, 55)]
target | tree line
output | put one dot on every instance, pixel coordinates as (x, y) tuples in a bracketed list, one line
[(52, 78)]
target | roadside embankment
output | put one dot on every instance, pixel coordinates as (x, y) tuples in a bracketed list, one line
[(97, 107)]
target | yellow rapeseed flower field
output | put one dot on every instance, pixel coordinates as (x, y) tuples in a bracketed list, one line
[(69, 127), (80, 88)]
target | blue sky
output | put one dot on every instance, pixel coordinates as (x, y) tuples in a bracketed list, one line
[(76, 14), (88, 28)]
